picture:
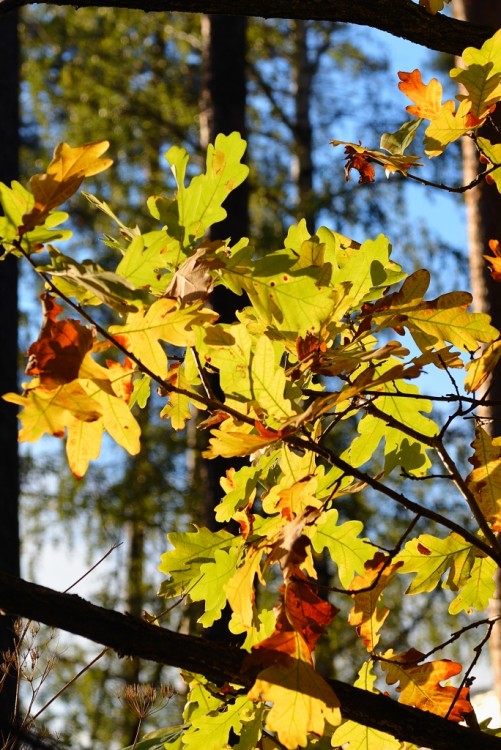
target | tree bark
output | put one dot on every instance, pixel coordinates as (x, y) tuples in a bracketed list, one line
[(483, 207), (129, 636), (223, 103), (9, 464), (402, 18), (302, 162)]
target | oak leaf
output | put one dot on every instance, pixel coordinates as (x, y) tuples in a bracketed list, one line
[(484, 480), (479, 369), (420, 684), (347, 550), (163, 321), (481, 78), (236, 440), (63, 177), (427, 97), (494, 259), (433, 6), (50, 410), (367, 616), (431, 557), (446, 128), (302, 701), (361, 159), (55, 357), (193, 281)]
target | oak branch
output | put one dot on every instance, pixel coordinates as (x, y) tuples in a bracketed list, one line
[(130, 636), (402, 18)]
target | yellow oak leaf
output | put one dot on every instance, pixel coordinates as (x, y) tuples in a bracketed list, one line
[(446, 128), (49, 411), (485, 478), (302, 701), (420, 684), (427, 97), (235, 440), (63, 177), (479, 369), (166, 321), (240, 592), (83, 444), (480, 77)]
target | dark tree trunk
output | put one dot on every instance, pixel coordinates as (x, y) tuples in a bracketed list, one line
[(483, 205), (9, 466), (302, 163), (223, 109)]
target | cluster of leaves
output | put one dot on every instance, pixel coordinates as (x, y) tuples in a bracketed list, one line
[(318, 341), (480, 79)]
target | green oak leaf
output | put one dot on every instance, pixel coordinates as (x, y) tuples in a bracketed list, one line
[(346, 548), (430, 558), (478, 589), (191, 550), (210, 585)]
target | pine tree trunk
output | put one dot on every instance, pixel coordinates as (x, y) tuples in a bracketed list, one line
[(483, 206), (223, 110), (302, 161), (9, 466)]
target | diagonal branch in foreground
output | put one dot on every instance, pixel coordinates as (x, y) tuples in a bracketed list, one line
[(402, 18), (130, 636)]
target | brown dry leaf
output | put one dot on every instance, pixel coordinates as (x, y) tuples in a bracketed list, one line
[(193, 281)]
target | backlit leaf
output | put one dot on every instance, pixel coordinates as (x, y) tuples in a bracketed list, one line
[(446, 128), (481, 78), (367, 614), (484, 481), (478, 589), (420, 685), (431, 558), (427, 97), (302, 702), (162, 321), (63, 177), (51, 410), (191, 550), (55, 357), (346, 548)]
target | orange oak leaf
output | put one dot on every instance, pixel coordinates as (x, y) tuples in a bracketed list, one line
[(63, 177), (494, 259), (427, 97), (55, 357), (308, 614), (420, 684), (366, 616)]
